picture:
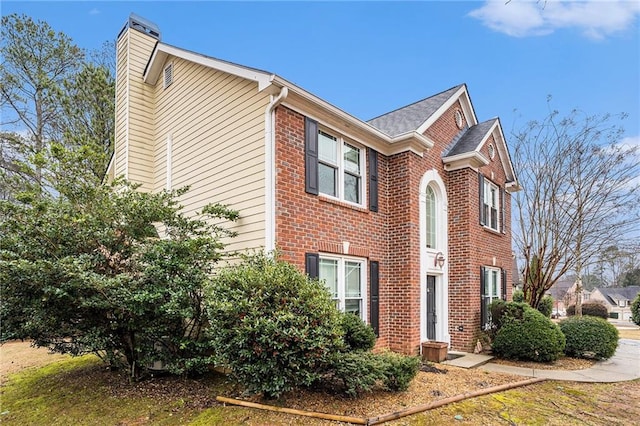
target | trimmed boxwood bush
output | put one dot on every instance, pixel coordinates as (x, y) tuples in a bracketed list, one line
[(594, 309), (589, 337), (358, 336), (635, 310), (533, 337)]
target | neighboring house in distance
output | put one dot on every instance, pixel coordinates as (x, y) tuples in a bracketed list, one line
[(405, 217), (617, 300), (560, 292)]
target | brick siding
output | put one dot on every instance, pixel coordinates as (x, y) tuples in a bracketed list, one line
[(311, 223)]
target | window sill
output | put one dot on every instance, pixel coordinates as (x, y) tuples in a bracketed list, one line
[(493, 231), (341, 203)]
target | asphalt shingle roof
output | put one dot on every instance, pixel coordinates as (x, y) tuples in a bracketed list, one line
[(470, 139), (410, 117), (619, 293)]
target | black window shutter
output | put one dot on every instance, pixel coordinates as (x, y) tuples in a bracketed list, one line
[(503, 213), (483, 220), (504, 284), (312, 264), (484, 301), (311, 155), (374, 296), (373, 180)]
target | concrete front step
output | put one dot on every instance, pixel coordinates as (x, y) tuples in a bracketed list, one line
[(466, 360)]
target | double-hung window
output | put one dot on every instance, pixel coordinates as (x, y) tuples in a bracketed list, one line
[(492, 288), (340, 168), (345, 278), (491, 205)]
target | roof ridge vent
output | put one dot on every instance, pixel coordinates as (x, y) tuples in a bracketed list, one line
[(143, 25)]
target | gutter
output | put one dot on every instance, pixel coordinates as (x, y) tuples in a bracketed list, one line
[(420, 142), (270, 168)]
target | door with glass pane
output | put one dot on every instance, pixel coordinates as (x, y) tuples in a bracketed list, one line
[(431, 307)]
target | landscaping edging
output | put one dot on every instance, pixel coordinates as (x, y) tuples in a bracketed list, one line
[(385, 417)]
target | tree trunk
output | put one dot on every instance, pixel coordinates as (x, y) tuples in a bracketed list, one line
[(578, 312)]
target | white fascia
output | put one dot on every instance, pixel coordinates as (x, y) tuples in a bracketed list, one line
[(505, 158), (467, 109), (411, 141), (162, 50)]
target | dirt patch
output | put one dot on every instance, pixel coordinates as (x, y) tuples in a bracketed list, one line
[(18, 355), (438, 382)]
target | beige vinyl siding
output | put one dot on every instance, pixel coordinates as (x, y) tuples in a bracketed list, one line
[(216, 123), (120, 147), (141, 112)]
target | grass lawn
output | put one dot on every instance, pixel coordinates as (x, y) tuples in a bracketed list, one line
[(629, 333), (80, 391)]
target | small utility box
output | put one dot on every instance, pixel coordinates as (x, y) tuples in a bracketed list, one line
[(434, 351)]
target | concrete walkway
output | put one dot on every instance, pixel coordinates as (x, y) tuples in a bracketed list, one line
[(622, 366)]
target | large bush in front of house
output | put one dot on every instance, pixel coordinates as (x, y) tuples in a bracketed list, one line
[(529, 337), (277, 330), (635, 310), (589, 337), (593, 308), (546, 306), (272, 326), (501, 311), (84, 271)]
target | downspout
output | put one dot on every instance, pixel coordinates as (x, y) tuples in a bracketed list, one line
[(270, 169)]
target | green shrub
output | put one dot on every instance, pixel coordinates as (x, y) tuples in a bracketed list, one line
[(275, 328), (635, 310), (589, 337), (356, 372), (533, 337), (518, 296), (592, 308), (501, 311), (353, 373), (398, 370), (546, 306), (357, 334)]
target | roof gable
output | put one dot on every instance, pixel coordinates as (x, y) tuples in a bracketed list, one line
[(615, 294), (412, 117), (162, 51), (465, 150)]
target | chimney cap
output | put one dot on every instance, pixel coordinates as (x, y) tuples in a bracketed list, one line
[(143, 25)]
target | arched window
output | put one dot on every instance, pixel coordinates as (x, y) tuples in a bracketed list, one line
[(430, 204)]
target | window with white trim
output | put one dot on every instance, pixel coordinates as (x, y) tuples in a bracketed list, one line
[(340, 168), (491, 205), (346, 280), (492, 289), (431, 222)]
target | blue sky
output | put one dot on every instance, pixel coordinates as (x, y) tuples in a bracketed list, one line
[(369, 58)]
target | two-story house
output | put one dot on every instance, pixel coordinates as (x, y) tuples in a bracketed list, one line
[(405, 217)]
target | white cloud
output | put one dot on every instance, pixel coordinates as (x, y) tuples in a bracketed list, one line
[(630, 142), (94, 11), (522, 18)]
